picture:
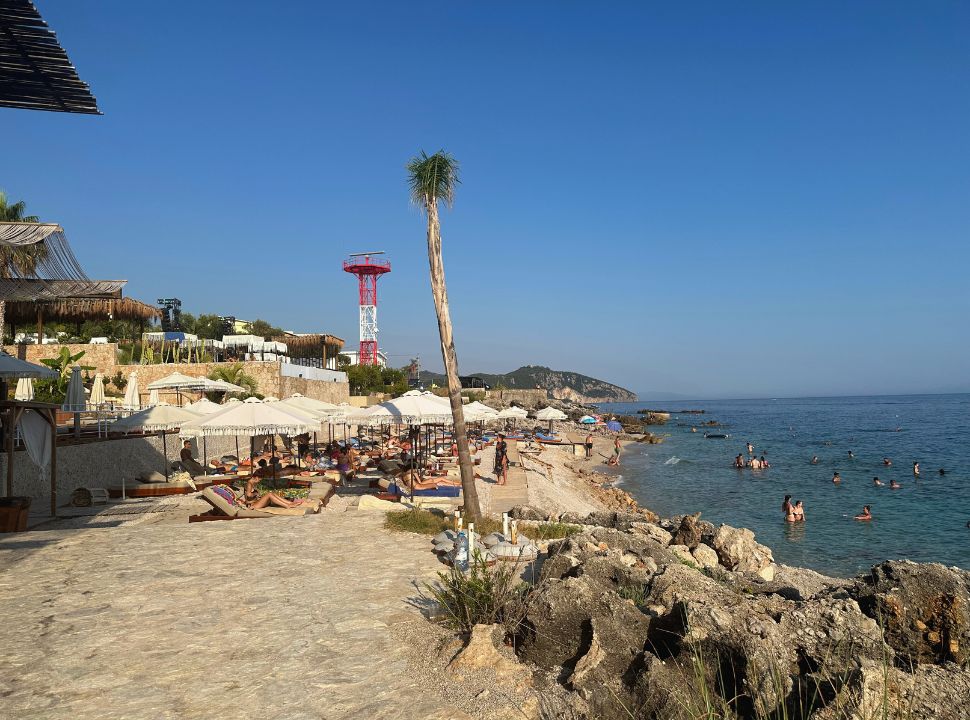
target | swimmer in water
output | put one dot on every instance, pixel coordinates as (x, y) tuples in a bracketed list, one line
[(799, 511), (916, 469), (893, 485), (942, 471), (887, 462), (739, 462), (786, 506), (764, 463), (876, 481), (814, 459), (866, 514), (836, 478), (750, 449), (851, 455)]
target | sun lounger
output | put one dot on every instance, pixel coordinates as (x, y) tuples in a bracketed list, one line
[(223, 500), (442, 491)]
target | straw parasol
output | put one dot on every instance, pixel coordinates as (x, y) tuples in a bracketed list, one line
[(25, 390), (97, 391)]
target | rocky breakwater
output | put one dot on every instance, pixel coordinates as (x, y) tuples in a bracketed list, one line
[(681, 619)]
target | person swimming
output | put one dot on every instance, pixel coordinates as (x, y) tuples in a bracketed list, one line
[(851, 455), (764, 462), (814, 459), (877, 481), (916, 469), (739, 461), (942, 471), (887, 462), (836, 478), (866, 514), (786, 506), (750, 449), (893, 485), (798, 512)]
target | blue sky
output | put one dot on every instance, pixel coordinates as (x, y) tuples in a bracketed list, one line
[(713, 199)]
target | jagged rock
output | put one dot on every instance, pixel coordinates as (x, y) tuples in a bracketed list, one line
[(801, 583), (737, 550), (485, 649), (705, 556), (688, 533), (924, 609), (652, 531), (682, 552), (527, 512)]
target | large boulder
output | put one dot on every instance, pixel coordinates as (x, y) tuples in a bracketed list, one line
[(924, 610), (738, 551)]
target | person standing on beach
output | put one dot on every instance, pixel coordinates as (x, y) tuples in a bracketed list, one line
[(588, 445), (616, 449), (501, 460)]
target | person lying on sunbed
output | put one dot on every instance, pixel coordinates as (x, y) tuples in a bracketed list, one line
[(414, 480), (254, 501)]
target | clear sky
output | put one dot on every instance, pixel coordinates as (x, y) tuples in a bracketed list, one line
[(715, 199)]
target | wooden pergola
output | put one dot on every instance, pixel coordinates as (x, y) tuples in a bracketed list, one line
[(12, 411), (78, 310)]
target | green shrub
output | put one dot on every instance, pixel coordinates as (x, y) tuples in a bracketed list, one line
[(483, 596)]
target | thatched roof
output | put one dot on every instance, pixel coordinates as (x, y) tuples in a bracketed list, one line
[(309, 343), (80, 310)]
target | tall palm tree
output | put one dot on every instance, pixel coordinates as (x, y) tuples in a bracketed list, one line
[(16, 261), (432, 179)]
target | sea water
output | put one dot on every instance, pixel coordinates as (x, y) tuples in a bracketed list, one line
[(926, 520)]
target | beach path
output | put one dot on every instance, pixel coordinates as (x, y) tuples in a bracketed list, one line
[(275, 618), (516, 489)]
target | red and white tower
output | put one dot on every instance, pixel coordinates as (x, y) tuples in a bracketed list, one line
[(368, 270)]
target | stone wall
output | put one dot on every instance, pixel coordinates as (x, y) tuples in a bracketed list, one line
[(525, 398), (331, 392), (102, 357), (104, 464)]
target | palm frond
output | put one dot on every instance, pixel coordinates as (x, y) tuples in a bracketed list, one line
[(433, 178)]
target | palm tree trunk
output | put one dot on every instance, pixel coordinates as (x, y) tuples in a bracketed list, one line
[(450, 358)]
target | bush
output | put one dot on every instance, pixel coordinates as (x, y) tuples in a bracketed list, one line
[(482, 597)]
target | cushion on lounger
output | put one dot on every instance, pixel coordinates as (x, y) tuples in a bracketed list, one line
[(221, 498)]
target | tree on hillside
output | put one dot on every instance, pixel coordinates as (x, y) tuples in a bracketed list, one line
[(17, 261), (432, 179), (263, 329)]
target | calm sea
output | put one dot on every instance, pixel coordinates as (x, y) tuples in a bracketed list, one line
[(926, 520)]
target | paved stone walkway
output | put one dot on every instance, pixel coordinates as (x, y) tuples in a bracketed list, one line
[(277, 618), (516, 489)]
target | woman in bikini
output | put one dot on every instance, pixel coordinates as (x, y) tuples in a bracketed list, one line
[(254, 501)]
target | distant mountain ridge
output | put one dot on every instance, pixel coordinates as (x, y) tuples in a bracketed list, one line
[(562, 384)]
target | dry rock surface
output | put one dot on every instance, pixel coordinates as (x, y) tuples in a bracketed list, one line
[(638, 620)]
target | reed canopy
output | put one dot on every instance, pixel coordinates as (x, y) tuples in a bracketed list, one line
[(81, 309)]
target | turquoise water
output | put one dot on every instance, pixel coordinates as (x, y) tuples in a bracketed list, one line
[(926, 520)]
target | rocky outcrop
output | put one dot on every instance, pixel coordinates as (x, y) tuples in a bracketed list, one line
[(640, 620)]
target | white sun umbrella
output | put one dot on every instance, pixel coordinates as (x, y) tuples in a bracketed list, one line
[(221, 386), (74, 400), (481, 408), (153, 397), (512, 413), (12, 368), (205, 407), (550, 413), (132, 399), (157, 418), (97, 391), (178, 381), (412, 408), (25, 390)]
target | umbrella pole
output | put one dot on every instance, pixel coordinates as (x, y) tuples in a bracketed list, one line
[(237, 451), (205, 456), (165, 452)]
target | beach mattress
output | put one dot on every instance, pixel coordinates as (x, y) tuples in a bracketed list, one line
[(438, 492)]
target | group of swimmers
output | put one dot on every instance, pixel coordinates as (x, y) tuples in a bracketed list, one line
[(755, 463), (795, 511)]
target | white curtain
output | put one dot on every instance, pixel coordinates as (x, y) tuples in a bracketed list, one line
[(37, 438)]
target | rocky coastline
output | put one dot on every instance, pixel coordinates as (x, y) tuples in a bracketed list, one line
[(637, 616)]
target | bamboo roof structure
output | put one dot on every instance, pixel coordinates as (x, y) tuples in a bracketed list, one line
[(310, 346), (35, 71), (81, 309)]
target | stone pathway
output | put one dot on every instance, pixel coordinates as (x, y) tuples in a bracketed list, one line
[(277, 618), (516, 489)]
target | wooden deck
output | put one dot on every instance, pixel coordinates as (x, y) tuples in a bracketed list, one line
[(516, 490)]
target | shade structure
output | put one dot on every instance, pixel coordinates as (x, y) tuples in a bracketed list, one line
[(178, 381), (205, 407), (319, 407), (512, 413), (412, 408), (550, 413), (158, 417), (132, 400), (153, 397), (587, 420), (614, 426), (210, 385), (252, 417), (25, 390), (12, 368), (74, 400), (480, 408), (97, 391)]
